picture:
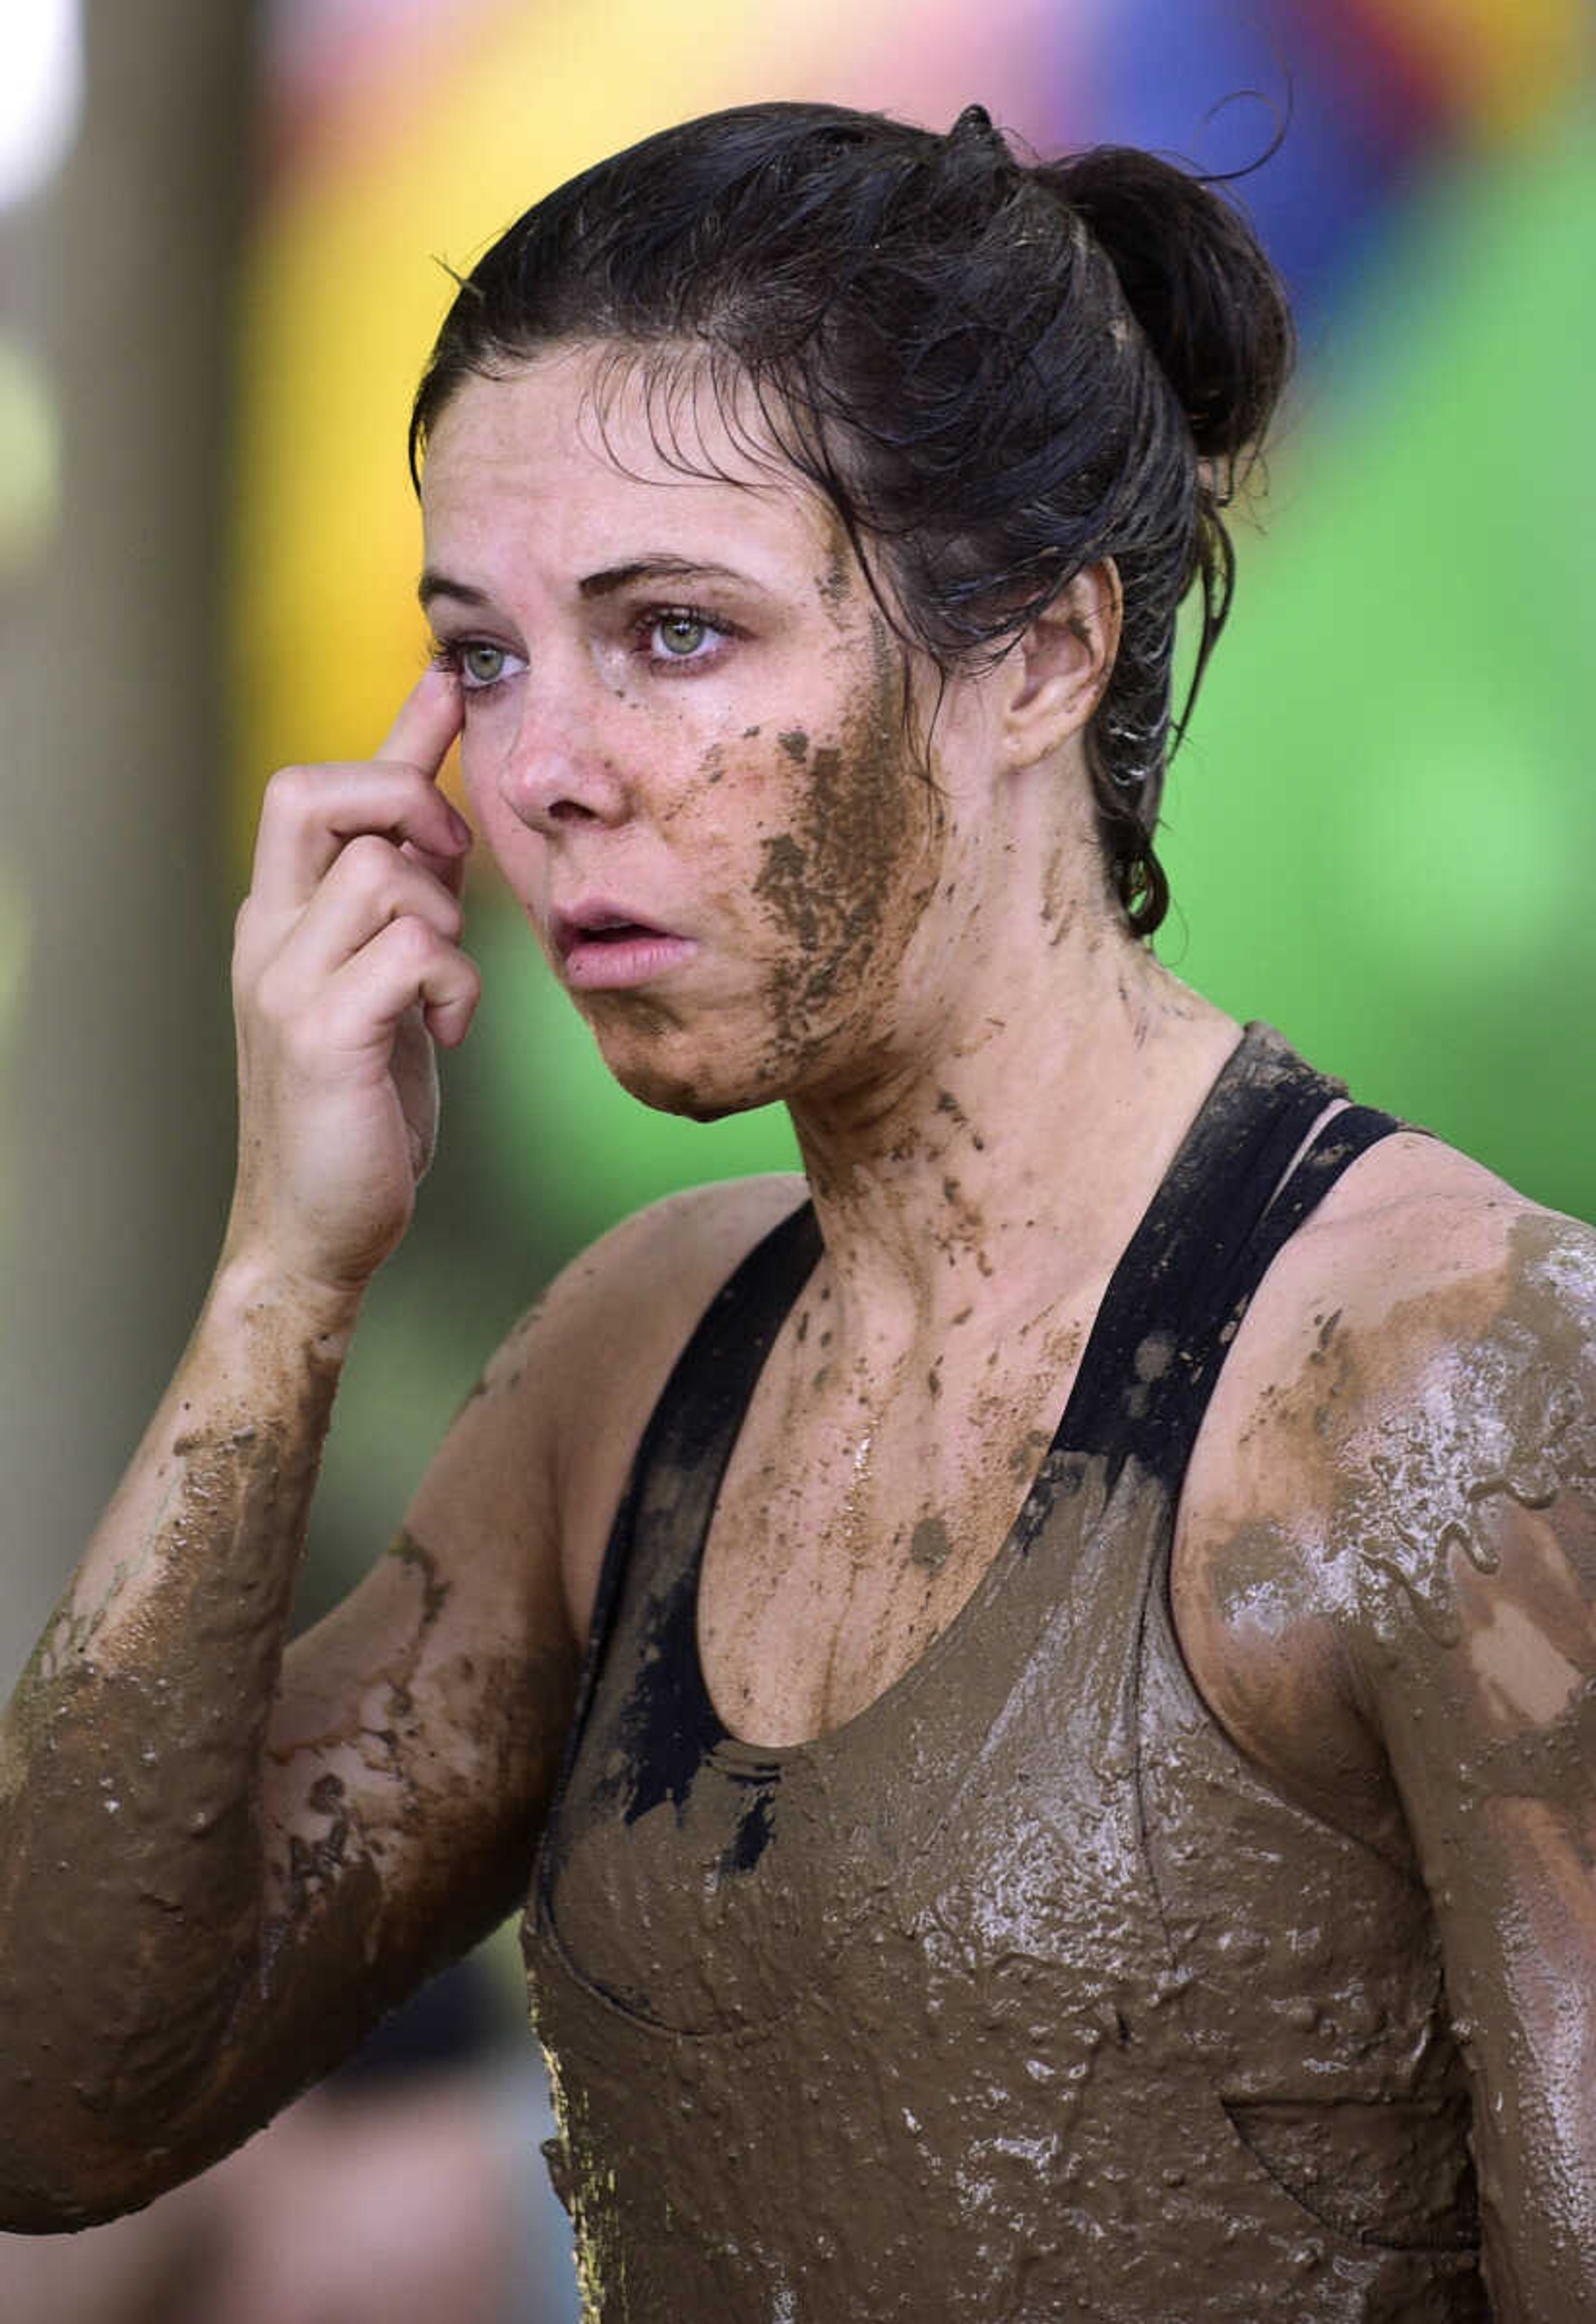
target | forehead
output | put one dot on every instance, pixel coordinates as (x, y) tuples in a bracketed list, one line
[(572, 451)]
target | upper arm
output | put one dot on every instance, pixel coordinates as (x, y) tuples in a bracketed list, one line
[(1385, 1583), (1468, 1513), (418, 1730)]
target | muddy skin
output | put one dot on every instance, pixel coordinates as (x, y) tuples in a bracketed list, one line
[(929, 1544), (1475, 1545), (141, 1789), (192, 1970), (1041, 2062), (1449, 1445), (834, 886), (1510, 1432), (963, 1229), (840, 888), (958, 1430), (948, 1103), (1058, 889), (836, 584)]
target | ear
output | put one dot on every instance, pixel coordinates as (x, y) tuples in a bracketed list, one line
[(1061, 665)]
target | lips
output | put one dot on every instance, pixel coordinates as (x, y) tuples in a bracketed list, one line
[(600, 922), (602, 944)]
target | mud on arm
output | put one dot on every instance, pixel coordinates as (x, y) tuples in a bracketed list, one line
[(1474, 1527), (216, 1871)]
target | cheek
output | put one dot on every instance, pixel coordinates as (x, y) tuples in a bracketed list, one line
[(841, 880), (478, 762), (520, 855), (698, 788), (482, 760)]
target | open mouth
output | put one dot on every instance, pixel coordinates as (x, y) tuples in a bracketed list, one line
[(617, 932), (597, 924), (603, 948)]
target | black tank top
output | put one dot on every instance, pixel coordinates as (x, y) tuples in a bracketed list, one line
[(1021, 1995)]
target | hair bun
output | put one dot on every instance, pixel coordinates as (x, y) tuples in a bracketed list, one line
[(1194, 276)]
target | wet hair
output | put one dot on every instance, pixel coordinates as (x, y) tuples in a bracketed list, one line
[(998, 373)]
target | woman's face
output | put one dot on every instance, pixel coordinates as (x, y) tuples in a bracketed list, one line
[(684, 740)]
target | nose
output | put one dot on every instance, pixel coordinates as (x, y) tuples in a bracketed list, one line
[(557, 771)]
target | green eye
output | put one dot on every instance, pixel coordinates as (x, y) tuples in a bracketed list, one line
[(680, 635), (482, 665)]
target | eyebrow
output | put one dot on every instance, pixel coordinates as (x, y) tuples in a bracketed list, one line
[(653, 568), (434, 584)]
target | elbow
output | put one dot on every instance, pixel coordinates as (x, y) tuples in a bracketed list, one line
[(104, 2103), (44, 2194), (66, 2163)]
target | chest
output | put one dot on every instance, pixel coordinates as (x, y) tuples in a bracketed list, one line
[(977, 1937), (863, 1502)]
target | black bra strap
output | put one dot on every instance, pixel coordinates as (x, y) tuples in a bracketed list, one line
[(694, 1425), (1190, 1272)]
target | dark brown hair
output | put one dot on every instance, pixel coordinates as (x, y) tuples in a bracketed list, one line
[(998, 373)]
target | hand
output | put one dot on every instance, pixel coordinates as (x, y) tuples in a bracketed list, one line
[(346, 969)]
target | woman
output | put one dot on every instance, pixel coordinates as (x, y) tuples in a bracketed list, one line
[(1132, 1865)]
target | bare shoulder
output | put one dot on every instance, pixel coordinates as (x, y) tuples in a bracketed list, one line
[(547, 1440), (1415, 1372), (1423, 1276), (1386, 1593)]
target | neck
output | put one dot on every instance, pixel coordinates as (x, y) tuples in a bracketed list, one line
[(1004, 1171)]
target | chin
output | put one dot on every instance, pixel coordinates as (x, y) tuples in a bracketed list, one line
[(692, 1101), (661, 1061), (694, 1093)]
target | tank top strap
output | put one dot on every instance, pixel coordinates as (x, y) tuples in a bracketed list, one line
[(694, 1425), (1251, 1168)]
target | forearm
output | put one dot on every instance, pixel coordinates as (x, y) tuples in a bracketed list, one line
[(169, 1927), (132, 1892), (1531, 2037)]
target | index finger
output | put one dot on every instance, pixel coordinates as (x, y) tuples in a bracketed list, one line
[(429, 718)]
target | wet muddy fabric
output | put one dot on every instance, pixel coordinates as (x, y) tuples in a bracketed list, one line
[(1021, 1995)]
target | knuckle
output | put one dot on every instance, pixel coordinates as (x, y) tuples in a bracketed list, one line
[(416, 939), (289, 792), (368, 861)]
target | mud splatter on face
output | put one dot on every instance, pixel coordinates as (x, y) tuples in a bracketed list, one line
[(845, 883), (835, 580)]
